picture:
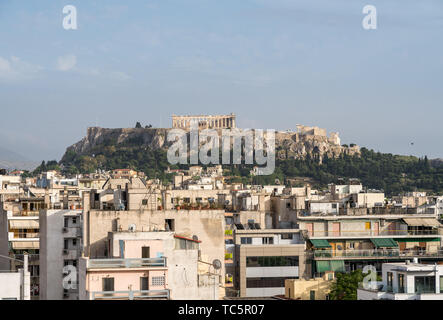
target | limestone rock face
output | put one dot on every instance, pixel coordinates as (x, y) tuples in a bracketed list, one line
[(287, 144)]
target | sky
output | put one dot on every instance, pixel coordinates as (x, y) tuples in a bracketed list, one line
[(274, 63)]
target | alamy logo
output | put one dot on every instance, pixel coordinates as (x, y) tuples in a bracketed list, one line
[(70, 20), (70, 280), (370, 20), (204, 147), (370, 281)]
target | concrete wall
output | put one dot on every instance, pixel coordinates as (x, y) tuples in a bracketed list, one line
[(301, 289), (51, 252), (10, 285), (207, 225)]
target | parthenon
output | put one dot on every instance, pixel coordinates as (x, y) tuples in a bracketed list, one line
[(204, 121)]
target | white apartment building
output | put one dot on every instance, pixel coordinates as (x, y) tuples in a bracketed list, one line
[(407, 281), (60, 246)]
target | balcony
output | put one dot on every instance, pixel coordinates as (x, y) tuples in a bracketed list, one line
[(22, 235), (375, 253), (126, 263), (131, 295), (72, 232), (369, 233)]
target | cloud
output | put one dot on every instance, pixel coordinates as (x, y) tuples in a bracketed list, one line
[(15, 69), (121, 76), (66, 63)]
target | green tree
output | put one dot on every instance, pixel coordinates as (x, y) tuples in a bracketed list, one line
[(346, 285)]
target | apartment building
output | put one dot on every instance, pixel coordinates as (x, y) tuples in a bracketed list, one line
[(149, 266), (264, 259), (346, 243), (61, 245), (19, 234), (317, 288), (16, 285), (406, 281)]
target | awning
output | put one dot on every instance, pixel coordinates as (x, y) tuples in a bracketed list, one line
[(20, 245), (320, 243), (418, 240), (23, 224), (384, 242), (333, 265), (422, 222)]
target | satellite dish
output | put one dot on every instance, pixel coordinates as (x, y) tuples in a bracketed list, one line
[(195, 238), (132, 227), (217, 264)]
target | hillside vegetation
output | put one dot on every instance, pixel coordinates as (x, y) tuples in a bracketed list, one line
[(391, 173)]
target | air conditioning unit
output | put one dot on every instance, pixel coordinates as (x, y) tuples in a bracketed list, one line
[(65, 251), (65, 230), (66, 295)]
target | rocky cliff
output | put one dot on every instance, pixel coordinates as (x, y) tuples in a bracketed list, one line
[(287, 144)]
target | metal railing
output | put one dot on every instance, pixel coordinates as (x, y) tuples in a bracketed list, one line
[(375, 253), (25, 235), (126, 263), (374, 233), (131, 295)]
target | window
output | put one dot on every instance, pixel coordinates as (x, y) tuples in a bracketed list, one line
[(144, 202), (287, 236), (158, 281), (108, 284), (268, 240), (389, 282), (144, 283), (312, 295), (283, 261), (277, 282), (246, 240), (74, 242), (401, 283), (441, 284), (288, 205), (74, 220), (146, 252), (170, 225), (424, 284), (351, 245), (334, 206), (66, 244), (66, 222)]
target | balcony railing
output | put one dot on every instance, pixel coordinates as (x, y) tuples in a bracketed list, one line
[(130, 295), (25, 235), (375, 253), (126, 263), (374, 233)]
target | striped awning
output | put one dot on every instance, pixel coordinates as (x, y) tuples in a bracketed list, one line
[(384, 242), (24, 224), (422, 222), (333, 265), (417, 239), (320, 243), (20, 245)]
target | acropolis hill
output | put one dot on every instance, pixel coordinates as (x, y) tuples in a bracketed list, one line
[(289, 144)]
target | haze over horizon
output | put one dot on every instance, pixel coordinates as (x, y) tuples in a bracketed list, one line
[(274, 63)]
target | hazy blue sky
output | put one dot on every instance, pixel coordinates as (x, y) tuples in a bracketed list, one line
[(275, 63)]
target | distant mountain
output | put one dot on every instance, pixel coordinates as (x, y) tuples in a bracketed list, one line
[(11, 160)]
